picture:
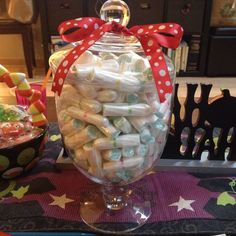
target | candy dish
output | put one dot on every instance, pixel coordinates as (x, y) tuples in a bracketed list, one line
[(23, 129), (18, 159)]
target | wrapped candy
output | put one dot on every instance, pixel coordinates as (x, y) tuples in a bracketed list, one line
[(107, 55), (95, 119), (122, 124), (83, 73), (72, 127), (139, 123), (107, 95), (111, 155), (109, 65), (142, 150), (121, 141), (128, 152), (125, 164), (109, 131), (94, 159), (123, 109), (84, 136), (115, 81), (90, 105), (81, 159), (86, 90)]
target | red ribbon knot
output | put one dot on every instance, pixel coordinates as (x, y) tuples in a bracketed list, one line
[(88, 30)]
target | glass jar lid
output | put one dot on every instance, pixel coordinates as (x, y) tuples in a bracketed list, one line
[(118, 11)]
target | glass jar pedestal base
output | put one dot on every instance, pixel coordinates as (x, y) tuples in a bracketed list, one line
[(114, 209)]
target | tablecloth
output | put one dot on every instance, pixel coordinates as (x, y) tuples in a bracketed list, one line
[(47, 199)]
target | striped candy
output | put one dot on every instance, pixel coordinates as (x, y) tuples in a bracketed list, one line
[(19, 80)]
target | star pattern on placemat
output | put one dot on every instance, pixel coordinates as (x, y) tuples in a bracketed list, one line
[(183, 204), (60, 201)]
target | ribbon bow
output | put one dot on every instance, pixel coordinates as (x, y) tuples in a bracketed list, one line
[(88, 30)]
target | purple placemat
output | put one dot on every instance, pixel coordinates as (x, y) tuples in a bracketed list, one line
[(173, 195), (48, 199)]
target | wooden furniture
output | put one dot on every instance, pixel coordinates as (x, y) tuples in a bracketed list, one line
[(193, 15), (11, 26), (222, 51)]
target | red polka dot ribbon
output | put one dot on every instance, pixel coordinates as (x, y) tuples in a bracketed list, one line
[(88, 30)]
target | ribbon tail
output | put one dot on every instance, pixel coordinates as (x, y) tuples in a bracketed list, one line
[(158, 65), (65, 66)]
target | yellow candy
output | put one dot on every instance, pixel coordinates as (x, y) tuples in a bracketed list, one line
[(36, 107), (3, 70), (15, 79), (39, 119), (24, 89)]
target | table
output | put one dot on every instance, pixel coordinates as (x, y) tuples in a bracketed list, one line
[(47, 200)]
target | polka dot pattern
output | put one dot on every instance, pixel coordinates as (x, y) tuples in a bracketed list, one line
[(140, 31), (162, 73), (150, 43), (148, 35)]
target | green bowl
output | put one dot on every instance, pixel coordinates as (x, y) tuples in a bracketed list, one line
[(18, 159)]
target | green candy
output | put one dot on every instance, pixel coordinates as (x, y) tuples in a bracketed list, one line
[(115, 155), (128, 152), (132, 98), (77, 123)]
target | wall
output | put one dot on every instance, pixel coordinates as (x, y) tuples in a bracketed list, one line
[(11, 49)]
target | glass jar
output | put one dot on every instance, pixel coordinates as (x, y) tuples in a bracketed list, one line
[(109, 112), (113, 125)]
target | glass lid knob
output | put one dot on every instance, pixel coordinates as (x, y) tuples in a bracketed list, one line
[(115, 10)]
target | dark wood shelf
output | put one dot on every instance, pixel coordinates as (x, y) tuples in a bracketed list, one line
[(193, 15)]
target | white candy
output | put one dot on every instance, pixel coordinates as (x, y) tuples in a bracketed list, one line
[(122, 124), (84, 136), (69, 97), (107, 55), (63, 117), (56, 59), (95, 119), (90, 105), (124, 109), (116, 81), (109, 65), (121, 98), (140, 122), (109, 130), (148, 87), (72, 127), (81, 159), (87, 91), (140, 65), (86, 58), (125, 62), (121, 141), (69, 100), (94, 157), (111, 155), (83, 73), (107, 95), (128, 163)]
